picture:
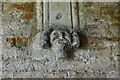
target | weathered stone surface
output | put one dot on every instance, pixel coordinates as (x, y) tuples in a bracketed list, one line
[(17, 41), (59, 14), (98, 16), (18, 19), (23, 56), (1, 33)]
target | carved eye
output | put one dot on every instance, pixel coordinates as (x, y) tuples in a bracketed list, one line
[(54, 35)]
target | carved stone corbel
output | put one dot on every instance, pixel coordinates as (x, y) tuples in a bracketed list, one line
[(61, 40)]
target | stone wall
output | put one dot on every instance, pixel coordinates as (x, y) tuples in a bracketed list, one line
[(23, 22)]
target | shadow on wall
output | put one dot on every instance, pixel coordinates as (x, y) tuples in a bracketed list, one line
[(84, 40), (83, 45)]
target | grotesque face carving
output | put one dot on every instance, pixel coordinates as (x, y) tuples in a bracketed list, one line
[(61, 40)]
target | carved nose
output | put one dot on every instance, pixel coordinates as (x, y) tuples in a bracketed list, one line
[(62, 35)]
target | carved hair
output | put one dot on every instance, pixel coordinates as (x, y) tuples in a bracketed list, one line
[(45, 38)]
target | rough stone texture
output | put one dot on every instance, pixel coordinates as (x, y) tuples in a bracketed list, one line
[(59, 14), (1, 33), (97, 58)]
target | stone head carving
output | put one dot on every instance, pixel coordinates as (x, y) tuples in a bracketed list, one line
[(62, 40)]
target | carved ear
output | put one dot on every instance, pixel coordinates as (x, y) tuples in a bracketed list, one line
[(75, 39), (45, 38)]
